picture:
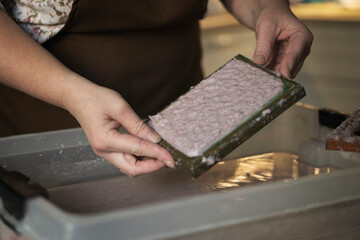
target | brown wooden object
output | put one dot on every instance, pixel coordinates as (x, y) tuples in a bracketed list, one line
[(346, 137)]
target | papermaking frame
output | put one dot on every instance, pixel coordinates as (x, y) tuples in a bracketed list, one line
[(197, 165)]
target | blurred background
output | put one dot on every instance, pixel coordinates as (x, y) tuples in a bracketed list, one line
[(330, 75)]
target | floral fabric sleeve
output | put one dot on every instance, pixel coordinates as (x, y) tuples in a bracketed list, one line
[(41, 19)]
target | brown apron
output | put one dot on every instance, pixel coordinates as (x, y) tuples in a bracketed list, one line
[(147, 50)]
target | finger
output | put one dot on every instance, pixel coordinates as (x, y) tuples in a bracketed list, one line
[(297, 68), (128, 144), (297, 50), (146, 165), (266, 36), (278, 52), (131, 122), (130, 166)]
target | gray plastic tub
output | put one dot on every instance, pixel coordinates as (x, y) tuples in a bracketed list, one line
[(90, 199)]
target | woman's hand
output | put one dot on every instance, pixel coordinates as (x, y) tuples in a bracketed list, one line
[(101, 112), (283, 41), (28, 67)]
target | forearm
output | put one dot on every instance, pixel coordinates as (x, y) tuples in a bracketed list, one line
[(28, 67), (247, 11)]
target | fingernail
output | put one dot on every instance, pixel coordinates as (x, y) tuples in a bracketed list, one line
[(170, 164), (153, 137), (260, 59), (277, 73)]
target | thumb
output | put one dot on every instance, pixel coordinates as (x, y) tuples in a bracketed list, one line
[(131, 122), (266, 36)]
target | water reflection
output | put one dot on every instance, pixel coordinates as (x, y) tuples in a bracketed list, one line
[(170, 184), (257, 169)]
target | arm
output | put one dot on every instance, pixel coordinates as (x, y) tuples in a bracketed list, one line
[(283, 42), (28, 67)]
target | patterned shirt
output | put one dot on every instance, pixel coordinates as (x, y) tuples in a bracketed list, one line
[(41, 19)]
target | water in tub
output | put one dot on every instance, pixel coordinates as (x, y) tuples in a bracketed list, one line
[(169, 184)]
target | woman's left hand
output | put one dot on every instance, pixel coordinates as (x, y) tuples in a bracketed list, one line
[(283, 41)]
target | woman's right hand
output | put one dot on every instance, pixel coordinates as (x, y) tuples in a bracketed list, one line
[(28, 67), (101, 112)]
